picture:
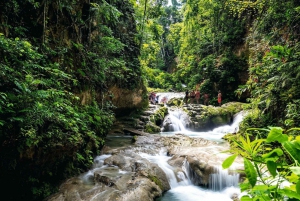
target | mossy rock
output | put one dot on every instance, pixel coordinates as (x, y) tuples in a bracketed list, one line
[(211, 117), (175, 102), (156, 181), (221, 119), (152, 128), (158, 116)]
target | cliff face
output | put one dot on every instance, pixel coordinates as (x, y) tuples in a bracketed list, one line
[(95, 42), (51, 50)]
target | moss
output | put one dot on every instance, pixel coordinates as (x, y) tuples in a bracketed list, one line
[(134, 138), (156, 181), (175, 102), (152, 128), (159, 116)]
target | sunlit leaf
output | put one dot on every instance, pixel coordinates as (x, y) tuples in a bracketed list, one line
[(228, 161), (276, 134), (290, 193), (292, 150), (250, 172), (246, 198), (295, 170), (275, 152)]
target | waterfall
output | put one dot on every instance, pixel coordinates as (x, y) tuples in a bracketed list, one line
[(218, 181), (222, 179), (161, 160), (175, 121), (185, 184), (234, 127)]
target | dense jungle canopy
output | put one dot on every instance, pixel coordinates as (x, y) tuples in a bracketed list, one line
[(62, 62)]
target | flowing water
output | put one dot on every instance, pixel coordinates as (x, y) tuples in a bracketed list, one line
[(214, 135), (222, 185)]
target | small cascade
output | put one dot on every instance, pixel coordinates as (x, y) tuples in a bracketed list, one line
[(218, 181), (161, 160), (88, 177), (221, 179), (234, 127), (192, 177), (175, 121), (185, 184)]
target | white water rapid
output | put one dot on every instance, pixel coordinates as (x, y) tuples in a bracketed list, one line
[(175, 120), (214, 135), (223, 186)]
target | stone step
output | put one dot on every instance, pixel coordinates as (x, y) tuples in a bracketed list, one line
[(144, 118)]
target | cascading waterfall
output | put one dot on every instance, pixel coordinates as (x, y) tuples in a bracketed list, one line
[(234, 127), (98, 164), (214, 135), (169, 95), (176, 121), (222, 179), (161, 160), (183, 185), (218, 181)]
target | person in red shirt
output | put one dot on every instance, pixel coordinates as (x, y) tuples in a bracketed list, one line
[(219, 98)]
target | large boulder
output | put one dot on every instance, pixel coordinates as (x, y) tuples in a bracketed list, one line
[(125, 175), (205, 118), (128, 100)]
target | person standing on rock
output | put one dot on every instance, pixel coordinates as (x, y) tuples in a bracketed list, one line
[(206, 96), (219, 98), (152, 98), (197, 96), (186, 98), (192, 96)]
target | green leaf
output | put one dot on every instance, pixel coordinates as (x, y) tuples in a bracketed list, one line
[(292, 150), (228, 161), (250, 172), (273, 153), (298, 187), (272, 167), (246, 198), (262, 188), (295, 170), (289, 193), (275, 134)]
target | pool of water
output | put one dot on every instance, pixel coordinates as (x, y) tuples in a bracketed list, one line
[(117, 141), (213, 136)]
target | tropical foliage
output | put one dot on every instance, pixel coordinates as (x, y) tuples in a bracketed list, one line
[(53, 53), (271, 161)]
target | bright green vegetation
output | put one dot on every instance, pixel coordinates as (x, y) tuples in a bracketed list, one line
[(45, 132), (271, 161), (57, 61)]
